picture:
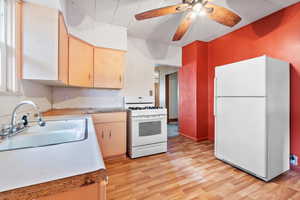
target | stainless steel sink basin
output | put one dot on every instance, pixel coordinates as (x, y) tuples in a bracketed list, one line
[(55, 132)]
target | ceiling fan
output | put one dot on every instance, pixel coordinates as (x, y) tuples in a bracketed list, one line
[(194, 7)]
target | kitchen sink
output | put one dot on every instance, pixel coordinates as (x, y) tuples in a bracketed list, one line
[(55, 132)]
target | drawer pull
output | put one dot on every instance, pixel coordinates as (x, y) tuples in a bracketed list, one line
[(88, 181)]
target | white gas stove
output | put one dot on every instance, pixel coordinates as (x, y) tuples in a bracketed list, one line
[(147, 127)]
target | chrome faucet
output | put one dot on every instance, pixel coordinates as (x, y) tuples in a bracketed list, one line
[(13, 128)]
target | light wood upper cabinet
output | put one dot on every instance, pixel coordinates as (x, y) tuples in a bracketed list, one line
[(63, 44), (81, 63), (40, 42), (108, 68), (47, 53), (44, 44)]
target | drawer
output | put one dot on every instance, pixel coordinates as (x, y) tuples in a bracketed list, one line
[(109, 117)]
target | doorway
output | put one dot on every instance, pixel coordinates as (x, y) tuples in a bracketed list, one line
[(172, 103), (166, 95), (172, 97)]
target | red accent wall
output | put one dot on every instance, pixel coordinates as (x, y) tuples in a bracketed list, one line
[(193, 87), (278, 36)]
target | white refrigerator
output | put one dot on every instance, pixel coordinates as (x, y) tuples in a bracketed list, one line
[(251, 108)]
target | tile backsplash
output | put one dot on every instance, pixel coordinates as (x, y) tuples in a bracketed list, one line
[(86, 98)]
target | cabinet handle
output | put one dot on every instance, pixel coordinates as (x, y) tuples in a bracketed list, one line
[(215, 97), (105, 178), (87, 181), (89, 76), (120, 78), (109, 134), (102, 135)]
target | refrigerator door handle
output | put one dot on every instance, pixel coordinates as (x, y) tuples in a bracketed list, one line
[(215, 96)]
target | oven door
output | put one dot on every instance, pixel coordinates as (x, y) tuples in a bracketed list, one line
[(149, 130)]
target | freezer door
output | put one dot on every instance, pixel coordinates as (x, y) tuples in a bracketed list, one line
[(241, 132), (245, 78)]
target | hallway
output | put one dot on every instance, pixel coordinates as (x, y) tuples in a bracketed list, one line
[(173, 129)]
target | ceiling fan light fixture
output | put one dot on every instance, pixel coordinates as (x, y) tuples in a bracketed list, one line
[(193, 8), (193, 15), (202, 12), (198, 7)]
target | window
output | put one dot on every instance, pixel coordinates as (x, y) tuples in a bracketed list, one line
[(2, 46), (8, 66)]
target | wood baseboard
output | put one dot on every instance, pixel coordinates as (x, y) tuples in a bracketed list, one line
[(173, 120), (117, 157)]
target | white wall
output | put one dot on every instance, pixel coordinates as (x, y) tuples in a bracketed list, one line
[(139, 69), (40, 94), (173, 96), (81, 23), (100, 34), (161, 54), (86, 98)]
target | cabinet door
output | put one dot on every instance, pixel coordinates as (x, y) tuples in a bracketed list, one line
[(109, 68), (241, 132), (112, 138), (102, 139), (63, 71), (245, 78), (39, 42), (116, 133), (90, 192), (102, 189), (80, 63), (109, 117)]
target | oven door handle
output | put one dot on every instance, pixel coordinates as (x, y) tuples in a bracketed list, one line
[(150, 118)]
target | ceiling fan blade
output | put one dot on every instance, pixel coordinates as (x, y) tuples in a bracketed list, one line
[(184, 26), (223, 15), (162, 11)]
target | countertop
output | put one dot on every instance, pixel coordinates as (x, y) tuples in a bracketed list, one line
[(54, 187), (82, 111), (26, 167)]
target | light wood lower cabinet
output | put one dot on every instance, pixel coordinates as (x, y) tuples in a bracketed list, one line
[(81, 63), (111, 133), (96, 191)]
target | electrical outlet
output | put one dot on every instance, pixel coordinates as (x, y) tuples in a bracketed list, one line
[(150, 93), (294, 160)]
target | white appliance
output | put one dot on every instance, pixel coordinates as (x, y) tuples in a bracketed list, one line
[(147, 127), (252, 116)]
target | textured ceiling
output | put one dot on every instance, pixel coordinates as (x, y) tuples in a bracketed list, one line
[(121, 12)]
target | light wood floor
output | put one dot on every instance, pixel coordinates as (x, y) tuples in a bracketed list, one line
[(190, 171)]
